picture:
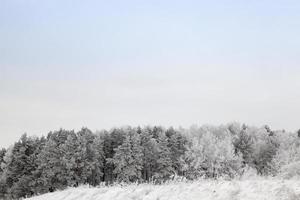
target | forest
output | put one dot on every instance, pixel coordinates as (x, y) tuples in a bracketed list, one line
[(67, 158)]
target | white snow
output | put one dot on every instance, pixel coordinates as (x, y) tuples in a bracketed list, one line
[(259, 189)]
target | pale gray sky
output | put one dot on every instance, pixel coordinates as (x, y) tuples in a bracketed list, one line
[(102, 64)]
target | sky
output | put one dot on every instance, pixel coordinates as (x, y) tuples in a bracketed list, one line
[(101, 64)]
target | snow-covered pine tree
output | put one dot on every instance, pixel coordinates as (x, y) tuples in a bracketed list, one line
[(71, 160), (5, 181), (2, 154), (2, 181), (98, 161), (177, 144), (149, 148), (128, 158), (51, 168), (111, 140), (18, 169), (164, 168), (89, 169)]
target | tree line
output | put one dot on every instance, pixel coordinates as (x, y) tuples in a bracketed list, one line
[(64, 158)]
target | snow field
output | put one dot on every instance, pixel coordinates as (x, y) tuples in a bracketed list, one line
[(199, 190)]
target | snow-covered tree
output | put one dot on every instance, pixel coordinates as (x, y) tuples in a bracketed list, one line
[(128, 159), (71, 160), (5, 181), (19, 166), (244, 145), (211, 156), (2, 154), (51, 169), (164, 167), (98, 161), (287, 158), (65, 158), (177, 145), (91, 165), (111, 140), (149, 151), (265, 147)]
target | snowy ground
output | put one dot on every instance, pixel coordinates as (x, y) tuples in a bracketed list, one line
[(199, 190)]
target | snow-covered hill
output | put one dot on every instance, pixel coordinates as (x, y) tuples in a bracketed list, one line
[(200, 190)]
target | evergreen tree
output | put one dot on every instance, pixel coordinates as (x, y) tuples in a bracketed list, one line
[(157, 131), (149, 151), (65, 158), (128, 159), (177, 144), (164, 168), (111, 140), (51, 168), (2, 154), (19, 169), (89, 169), (71, 160), (98, 159), (3, 158), (35, 182)]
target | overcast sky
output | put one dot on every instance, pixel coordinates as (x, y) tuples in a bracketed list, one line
[(102, 64)]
